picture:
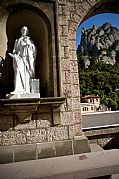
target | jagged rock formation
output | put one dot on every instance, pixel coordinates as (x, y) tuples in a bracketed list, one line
[(102, 43)]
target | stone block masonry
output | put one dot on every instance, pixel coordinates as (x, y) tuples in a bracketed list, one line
[(24, 152), (37, 131)]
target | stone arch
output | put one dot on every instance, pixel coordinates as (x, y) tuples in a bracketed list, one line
[(41, 32), (80, 11), (103, 7)]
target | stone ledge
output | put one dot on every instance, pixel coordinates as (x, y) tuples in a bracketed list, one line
[(48, 100), (88, 165), (95, 148), (24, 108), (24, 96), (9, 154)]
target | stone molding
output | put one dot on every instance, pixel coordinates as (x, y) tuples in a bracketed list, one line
[(25, 108)]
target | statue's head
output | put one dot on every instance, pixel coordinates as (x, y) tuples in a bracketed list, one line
[(24, 30)]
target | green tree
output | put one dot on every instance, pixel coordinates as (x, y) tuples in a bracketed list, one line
[(100, 79)]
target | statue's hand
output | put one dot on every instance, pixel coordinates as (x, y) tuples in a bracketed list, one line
[(11, 55), (14, 56)]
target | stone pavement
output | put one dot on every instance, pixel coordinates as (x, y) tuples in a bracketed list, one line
[(86, 165)]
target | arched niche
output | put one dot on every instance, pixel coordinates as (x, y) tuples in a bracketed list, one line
[(40, 31)]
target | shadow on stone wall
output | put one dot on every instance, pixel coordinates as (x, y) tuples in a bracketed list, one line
[(113, 143), (6, 76), (107, 142)]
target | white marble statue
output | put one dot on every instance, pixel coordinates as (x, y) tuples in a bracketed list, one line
[(24, 55)]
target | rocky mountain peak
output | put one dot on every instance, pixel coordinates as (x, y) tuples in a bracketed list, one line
[(102, 43)]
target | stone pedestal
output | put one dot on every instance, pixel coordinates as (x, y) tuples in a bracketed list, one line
[(34, 92), (24, 96)]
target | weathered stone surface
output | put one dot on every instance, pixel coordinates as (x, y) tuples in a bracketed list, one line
[(71, 132), (74, 66), (64, 106), (60, 30), (102, 131), (6, 155), (14, 137), (60, 11), (57, 133), (92, 2), (6, 122), (74, 17), (73, 55), (93, 141), (75, 78), (78, 130), (80, 10), (65, 64), (108, 139), (65, 31), (30, 125), (43, 120), (67, 90), (77, 117), (104, 141), (66, 77), (36, 136), (63, 77), (72, 42), (81, 145), (67, 106), (66, 118), (75, 130), (71, 7), (72, 28), (62, 52), (63, 148), (87, 5), (43, 123), (64, 41), (65, 10), (24, 153), (72, 35), (42, 109), (75, 103), (63, 20), (75, 90), (46, 150)]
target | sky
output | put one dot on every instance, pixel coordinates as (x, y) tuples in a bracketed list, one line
[(97, 20)]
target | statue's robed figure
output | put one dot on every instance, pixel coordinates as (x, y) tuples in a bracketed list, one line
[(24, 55)]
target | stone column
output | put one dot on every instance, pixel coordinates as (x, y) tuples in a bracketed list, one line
[(70, 112)]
